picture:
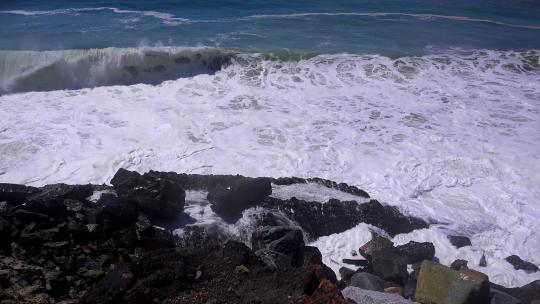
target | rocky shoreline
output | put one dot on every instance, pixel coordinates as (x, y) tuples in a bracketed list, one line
[(106, 244)]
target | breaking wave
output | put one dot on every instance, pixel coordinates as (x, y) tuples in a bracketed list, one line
[(25, 71), (22, 71)]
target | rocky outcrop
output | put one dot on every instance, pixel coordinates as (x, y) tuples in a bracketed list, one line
[(158, 197), (229, 200), (15, 194), (339, 216)]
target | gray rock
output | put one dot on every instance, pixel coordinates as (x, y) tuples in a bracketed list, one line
[(367, 281), (499, 297), (346, 274), (362, 296)]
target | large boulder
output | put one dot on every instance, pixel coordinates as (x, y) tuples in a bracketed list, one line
[(284, 243), (438, 284), (417, 252), (362, 296), (367, 281), (160, 198), (389, 265), (231, 199), (520, 264)]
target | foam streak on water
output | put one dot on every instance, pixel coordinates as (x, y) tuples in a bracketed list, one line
[(449, 138)]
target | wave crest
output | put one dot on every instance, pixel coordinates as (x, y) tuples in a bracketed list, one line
[(22, 71)]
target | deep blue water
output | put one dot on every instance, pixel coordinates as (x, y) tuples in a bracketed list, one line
[(393, 27)]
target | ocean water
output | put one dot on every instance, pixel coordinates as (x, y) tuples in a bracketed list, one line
[(432, 106)]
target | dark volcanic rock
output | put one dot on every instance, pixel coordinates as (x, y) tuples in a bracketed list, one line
[(110, 288), (520, 264), (458, 264), (232, 199), (356, 262), (459, 241), (339, 216), (483, 261), (499, 297), (390, 266), (160, 198), (115, 213), (280, 243), (5, 236), (526, 293), (417, 252), (59, 192), (15, 194)]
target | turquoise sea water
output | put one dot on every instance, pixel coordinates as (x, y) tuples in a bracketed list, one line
[(391, 27)]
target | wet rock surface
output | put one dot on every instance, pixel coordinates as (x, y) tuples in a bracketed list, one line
[(73, 244), (339, 216), (459, 241), (520, 264)]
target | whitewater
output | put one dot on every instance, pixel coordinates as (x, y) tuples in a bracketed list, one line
[(451, 138)]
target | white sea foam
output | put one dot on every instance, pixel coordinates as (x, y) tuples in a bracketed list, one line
[(395, 14), (166, 18), (449, 138), (313, 192)]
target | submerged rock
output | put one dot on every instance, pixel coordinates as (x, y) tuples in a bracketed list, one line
[(520, 264), (459, 241)]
